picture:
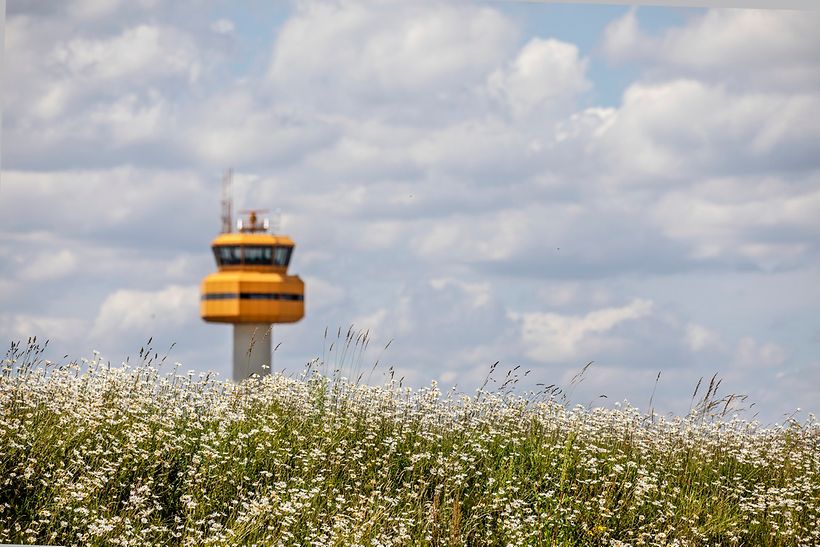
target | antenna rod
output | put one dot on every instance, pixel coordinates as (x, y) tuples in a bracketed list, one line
[(227, 202)]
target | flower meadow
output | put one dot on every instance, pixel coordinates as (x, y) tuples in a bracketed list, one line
[(140, 454)]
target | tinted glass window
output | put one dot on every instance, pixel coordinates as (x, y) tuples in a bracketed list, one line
[(228, 255), (258, 256), (281, 256)]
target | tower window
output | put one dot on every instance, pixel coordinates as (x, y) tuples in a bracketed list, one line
[(258, 256), (228, 255), (252, 255), (281, 256)]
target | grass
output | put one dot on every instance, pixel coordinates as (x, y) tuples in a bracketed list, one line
[(135, 455)]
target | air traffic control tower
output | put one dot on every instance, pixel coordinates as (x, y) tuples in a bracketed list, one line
[(252, 288)]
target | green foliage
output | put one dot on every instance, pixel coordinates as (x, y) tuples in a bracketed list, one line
[(98, 455)]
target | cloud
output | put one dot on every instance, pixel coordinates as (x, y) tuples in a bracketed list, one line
[(751, 354), (479, 293), (699, 338), (57, 79), (545, 76), (101, 96), (770, 223), (623, 39), (551, 337), (50, 266), (223, 26), (375, 322), (332, 56), (323, 294), (59, 330), (238, 127), (133, 207), (801, 385), (137, 53), (717, 46), (83, 10), (146, 312), (683, 129)]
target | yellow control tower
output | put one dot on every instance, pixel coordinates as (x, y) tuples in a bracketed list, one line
[(251, 289)]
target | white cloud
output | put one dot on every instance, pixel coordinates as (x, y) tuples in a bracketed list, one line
[(480, 293), (623, 39), (448, 377), (236, 127), (762, 48), (131, 118), (332, 54), (700, 338), (751, 354), (322, 294), (770, 222), (53, 102), (79, 94), (375, 322), (545, 77), (801, 383), (551, 337), (146, 312), (137, 54), (49, 266), (105, 202), (495, 237), (383, 234), (685, 128), (572, 294), (7, 289), (64, 330), (223, 26), (93, 9)]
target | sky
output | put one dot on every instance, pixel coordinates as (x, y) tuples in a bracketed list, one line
[(540, 185)]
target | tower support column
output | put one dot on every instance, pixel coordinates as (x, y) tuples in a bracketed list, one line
[(251, 349)]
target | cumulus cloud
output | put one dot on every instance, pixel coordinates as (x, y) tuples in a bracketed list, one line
[(623, 39), (145, 312), (137, 53), (101, 96), (237, 127), (336, 55), (479, 293), (544, 76), (682, 129), (551, 337), (58, 78), (223, 26), (50, 266), (82, 10), (768, 222), (56, 329), (130, 205), (716, 45), (323, 294), (752, 354), (699, 338)]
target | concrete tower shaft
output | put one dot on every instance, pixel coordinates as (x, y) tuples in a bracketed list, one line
[(251, 350)]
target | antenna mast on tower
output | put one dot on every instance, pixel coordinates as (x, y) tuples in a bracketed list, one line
[(227, 202)]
